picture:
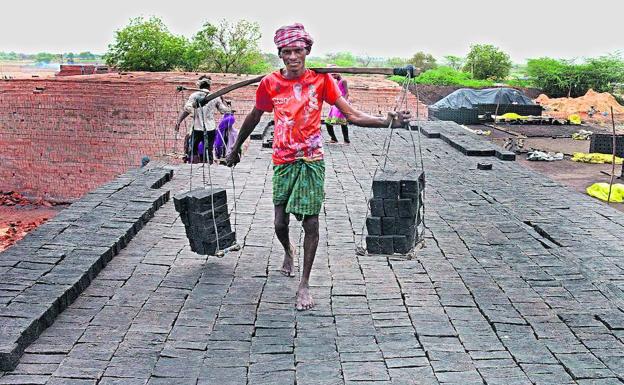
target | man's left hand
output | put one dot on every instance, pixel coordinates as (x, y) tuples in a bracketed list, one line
[(233, 158)]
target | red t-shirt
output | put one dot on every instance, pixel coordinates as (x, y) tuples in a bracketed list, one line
[(296, 105)]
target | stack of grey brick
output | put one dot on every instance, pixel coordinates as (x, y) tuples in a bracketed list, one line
[(206, 219), (394, 212)]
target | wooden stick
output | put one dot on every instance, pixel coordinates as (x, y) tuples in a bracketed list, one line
[(346, 70), (358, 70), (612, 159)]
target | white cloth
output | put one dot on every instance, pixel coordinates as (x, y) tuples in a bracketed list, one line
[(205, 113), (544, 156)]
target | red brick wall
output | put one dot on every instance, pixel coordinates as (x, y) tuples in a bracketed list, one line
[(62, 137)]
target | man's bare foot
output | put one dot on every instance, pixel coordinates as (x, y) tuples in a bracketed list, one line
[(288, 265), (304, 299)]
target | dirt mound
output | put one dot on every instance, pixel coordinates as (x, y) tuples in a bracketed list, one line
[(13, 231), (602, 102), (19, 216), (11, 198)]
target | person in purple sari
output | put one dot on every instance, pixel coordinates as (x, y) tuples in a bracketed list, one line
[(224, 134)]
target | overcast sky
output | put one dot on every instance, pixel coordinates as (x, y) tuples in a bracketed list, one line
[(524, 29)]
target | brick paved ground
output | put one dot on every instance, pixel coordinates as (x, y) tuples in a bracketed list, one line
[(520, 282)]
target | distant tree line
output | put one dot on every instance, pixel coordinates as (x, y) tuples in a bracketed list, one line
[(47, 57), (146, 44), (486, 65)]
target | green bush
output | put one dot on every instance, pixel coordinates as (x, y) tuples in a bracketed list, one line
[(524, 83), (9, 56), (46, 57), (446, 76), (424, 61), (564, 78)]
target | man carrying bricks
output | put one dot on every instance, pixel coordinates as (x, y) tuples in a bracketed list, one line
[(196, 143), (295, 95)]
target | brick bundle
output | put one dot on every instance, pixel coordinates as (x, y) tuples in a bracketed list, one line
[(200, 210), (394, 212)]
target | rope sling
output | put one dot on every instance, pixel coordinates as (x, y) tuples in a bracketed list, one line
[(220, 253), (401, 100)]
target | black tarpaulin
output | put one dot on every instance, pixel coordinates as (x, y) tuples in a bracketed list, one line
[(469, 98)]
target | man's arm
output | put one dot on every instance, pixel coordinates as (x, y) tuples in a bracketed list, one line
[(181, 117), (186, 110), (359, 118), (222, 107), (251, 121)]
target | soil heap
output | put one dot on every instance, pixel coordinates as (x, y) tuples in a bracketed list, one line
[(563, 107)]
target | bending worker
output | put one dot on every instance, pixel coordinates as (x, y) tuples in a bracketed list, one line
[(195, 142)]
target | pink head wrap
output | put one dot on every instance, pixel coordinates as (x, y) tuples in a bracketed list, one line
[(292, 36)]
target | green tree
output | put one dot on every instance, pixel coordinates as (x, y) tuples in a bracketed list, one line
[(200, 49), (565, 78), (9, 56), (455, 62), (146, 45), (342, 59), (485, 61), (272, 60), (549, 75), (364, 61), (45, 57), (605, 72), (230, 47), (424, 61), (86, 56), (396, 62)]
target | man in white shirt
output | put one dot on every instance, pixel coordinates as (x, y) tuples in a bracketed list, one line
[(204, 118)]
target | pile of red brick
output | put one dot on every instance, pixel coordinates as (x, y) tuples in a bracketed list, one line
[(82, 69), (65, 136), (14, 205), (12, 198), (11, 232)]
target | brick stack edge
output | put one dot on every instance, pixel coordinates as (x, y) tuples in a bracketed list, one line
[(199, 210), (70, 250), (62, 137), (394, 212)]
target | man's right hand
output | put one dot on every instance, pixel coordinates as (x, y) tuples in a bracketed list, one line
[(233, 158), (177, 127), (398, 119)]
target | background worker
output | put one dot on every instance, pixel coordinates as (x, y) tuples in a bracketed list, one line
[(195, 142)]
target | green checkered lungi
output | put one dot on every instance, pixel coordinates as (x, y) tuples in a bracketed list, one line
[(300, 186)]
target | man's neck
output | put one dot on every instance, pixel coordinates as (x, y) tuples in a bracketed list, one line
[(293, 74)]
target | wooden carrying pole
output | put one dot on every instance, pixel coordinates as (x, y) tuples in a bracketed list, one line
[(401, 71)]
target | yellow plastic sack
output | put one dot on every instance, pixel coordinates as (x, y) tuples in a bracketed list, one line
[(601, 191), (574, 119), (512, 116), (595, 157)]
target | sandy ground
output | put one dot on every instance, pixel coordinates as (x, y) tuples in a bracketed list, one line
[(575, 175), (23, 70)]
